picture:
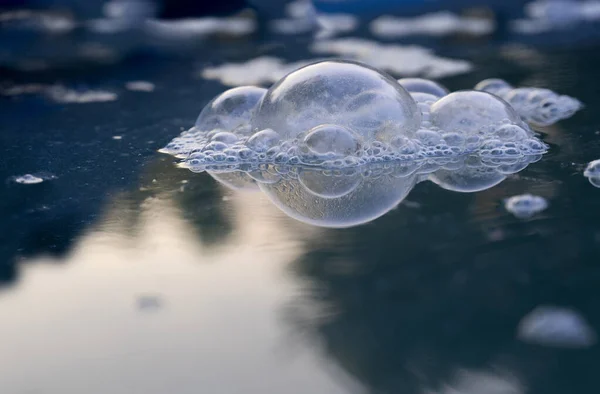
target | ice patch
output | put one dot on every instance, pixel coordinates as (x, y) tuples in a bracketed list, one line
[(538, 106), (556, 327), (140, 86), (592, 172), (436, 24), (525, 205), (396, 59)]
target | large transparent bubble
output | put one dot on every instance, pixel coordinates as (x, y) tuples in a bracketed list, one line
[(355, 97), (471, 112), (340, 200)]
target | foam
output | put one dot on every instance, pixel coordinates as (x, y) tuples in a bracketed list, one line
[(28, 179), (303, 18), (525, 205), (341, 114), (258, 71), (63, 95), (200, 27), (435, 24), (556, 327), (392, 58), (538, 106), (549, 15), (140, 86)]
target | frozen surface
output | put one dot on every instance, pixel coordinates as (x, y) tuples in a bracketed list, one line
[(525, 205), (436, 24), (556, 327)]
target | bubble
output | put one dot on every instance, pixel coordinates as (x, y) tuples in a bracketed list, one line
[(471, 177), (492, 85), (332, 139), (467, 112), (333, 86), (592, 172), (335, 187), (556, 327), (428, 137), (419, 85), (235, 180), (424, 98), (525, 205), (538, 106), (225, 137), (510, 132), (337, 201), (231, 109), (263, 140)]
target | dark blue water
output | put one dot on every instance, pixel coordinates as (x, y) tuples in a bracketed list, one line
[(125, 274)]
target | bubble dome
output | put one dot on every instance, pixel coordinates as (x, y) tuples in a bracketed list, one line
[(340, 114), (360, 99)]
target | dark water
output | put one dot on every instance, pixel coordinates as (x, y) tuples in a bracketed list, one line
[(128, 275)]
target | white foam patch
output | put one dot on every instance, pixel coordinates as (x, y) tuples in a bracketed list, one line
[(538, 106), (63, 95), (201, 27), (263, 70), (303, 18), (549, 15), (525, 205), (140, 86), (17, 90), (556, 327), (28, 179), (435, 24), (396, 59), (43, 21)]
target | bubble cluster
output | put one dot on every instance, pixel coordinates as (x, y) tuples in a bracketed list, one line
[(592, 172), (538, 106), (349, 196), (338, 114), (525, 205)]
